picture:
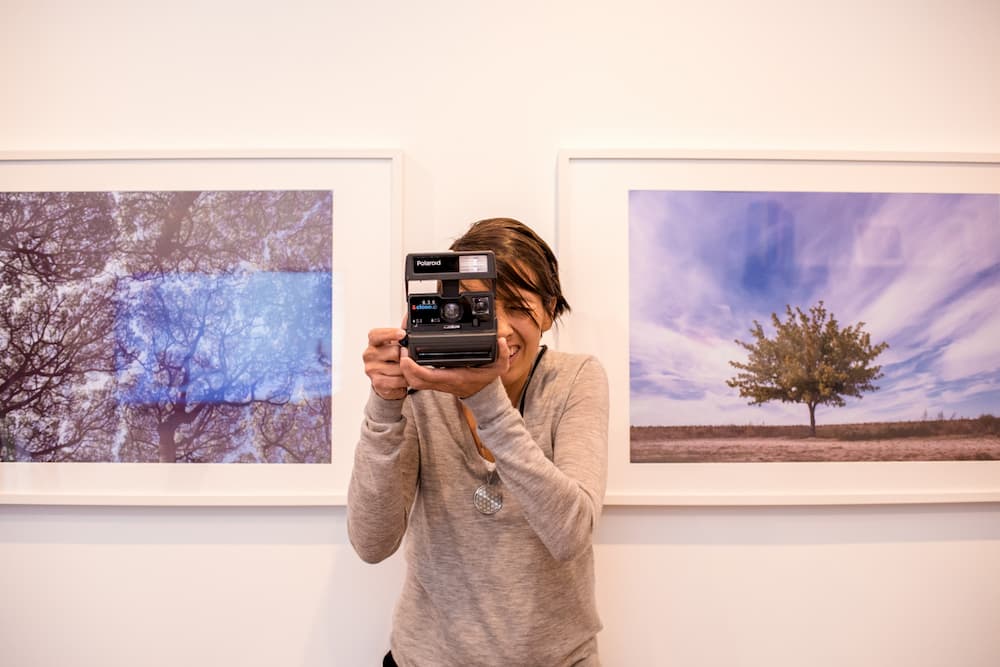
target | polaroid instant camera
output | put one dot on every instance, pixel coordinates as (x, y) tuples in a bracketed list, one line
[(447, 326)]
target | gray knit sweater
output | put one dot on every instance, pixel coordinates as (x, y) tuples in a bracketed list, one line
[(512, 588)]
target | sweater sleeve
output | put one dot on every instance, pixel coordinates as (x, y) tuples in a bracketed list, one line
[(562, 497), (383, 479)]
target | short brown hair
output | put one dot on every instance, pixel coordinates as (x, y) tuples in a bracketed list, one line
[(524, 261)]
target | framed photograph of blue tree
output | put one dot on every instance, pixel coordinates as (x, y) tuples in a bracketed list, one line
[(173, 326), (789, 328), (167, 326)]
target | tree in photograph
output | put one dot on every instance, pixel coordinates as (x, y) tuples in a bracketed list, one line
[(810, 360), (224, 322), (300, 431), (165, 325), (215, 232), (293, 433), (57, 369), (55, 290), (55, 238), (204, 350)]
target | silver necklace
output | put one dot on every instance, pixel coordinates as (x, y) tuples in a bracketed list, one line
[(488, 497)]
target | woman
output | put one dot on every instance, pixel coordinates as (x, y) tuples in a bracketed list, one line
[(496, 476)]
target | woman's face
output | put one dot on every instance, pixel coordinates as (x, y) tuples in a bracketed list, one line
[(522, 326)]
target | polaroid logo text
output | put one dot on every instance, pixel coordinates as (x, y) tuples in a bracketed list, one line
[(428, 262)]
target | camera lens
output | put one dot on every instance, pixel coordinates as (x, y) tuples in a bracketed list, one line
[(451, 311), (480, 306)]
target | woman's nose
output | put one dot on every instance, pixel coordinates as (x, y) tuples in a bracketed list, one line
[(503, 324)]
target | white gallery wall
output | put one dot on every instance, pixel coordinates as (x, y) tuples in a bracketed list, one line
[(479, 98)]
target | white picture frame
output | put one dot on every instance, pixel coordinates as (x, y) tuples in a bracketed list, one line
[(592, 243), (367, 286)]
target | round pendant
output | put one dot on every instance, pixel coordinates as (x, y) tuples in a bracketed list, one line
[(488, 499)]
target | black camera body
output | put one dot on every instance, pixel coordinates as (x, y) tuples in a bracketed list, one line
[(447, 326)]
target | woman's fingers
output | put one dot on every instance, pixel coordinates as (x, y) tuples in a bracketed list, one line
[(381, 359), (379, 337)]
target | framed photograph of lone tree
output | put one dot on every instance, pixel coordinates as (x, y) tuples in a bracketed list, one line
[(186, 328), (789, 328)]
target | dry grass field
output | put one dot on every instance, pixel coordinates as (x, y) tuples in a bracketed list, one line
[(934, 440)]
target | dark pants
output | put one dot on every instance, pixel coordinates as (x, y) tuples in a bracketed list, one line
[(387, 661)]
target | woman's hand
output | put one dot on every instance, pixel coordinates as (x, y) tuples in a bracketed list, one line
[(462, 382), (382, 366)]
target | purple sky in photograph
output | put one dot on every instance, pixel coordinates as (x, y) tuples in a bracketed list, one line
[(921, 270)]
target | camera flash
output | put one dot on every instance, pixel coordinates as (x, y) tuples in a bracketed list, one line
[(473, 264)]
